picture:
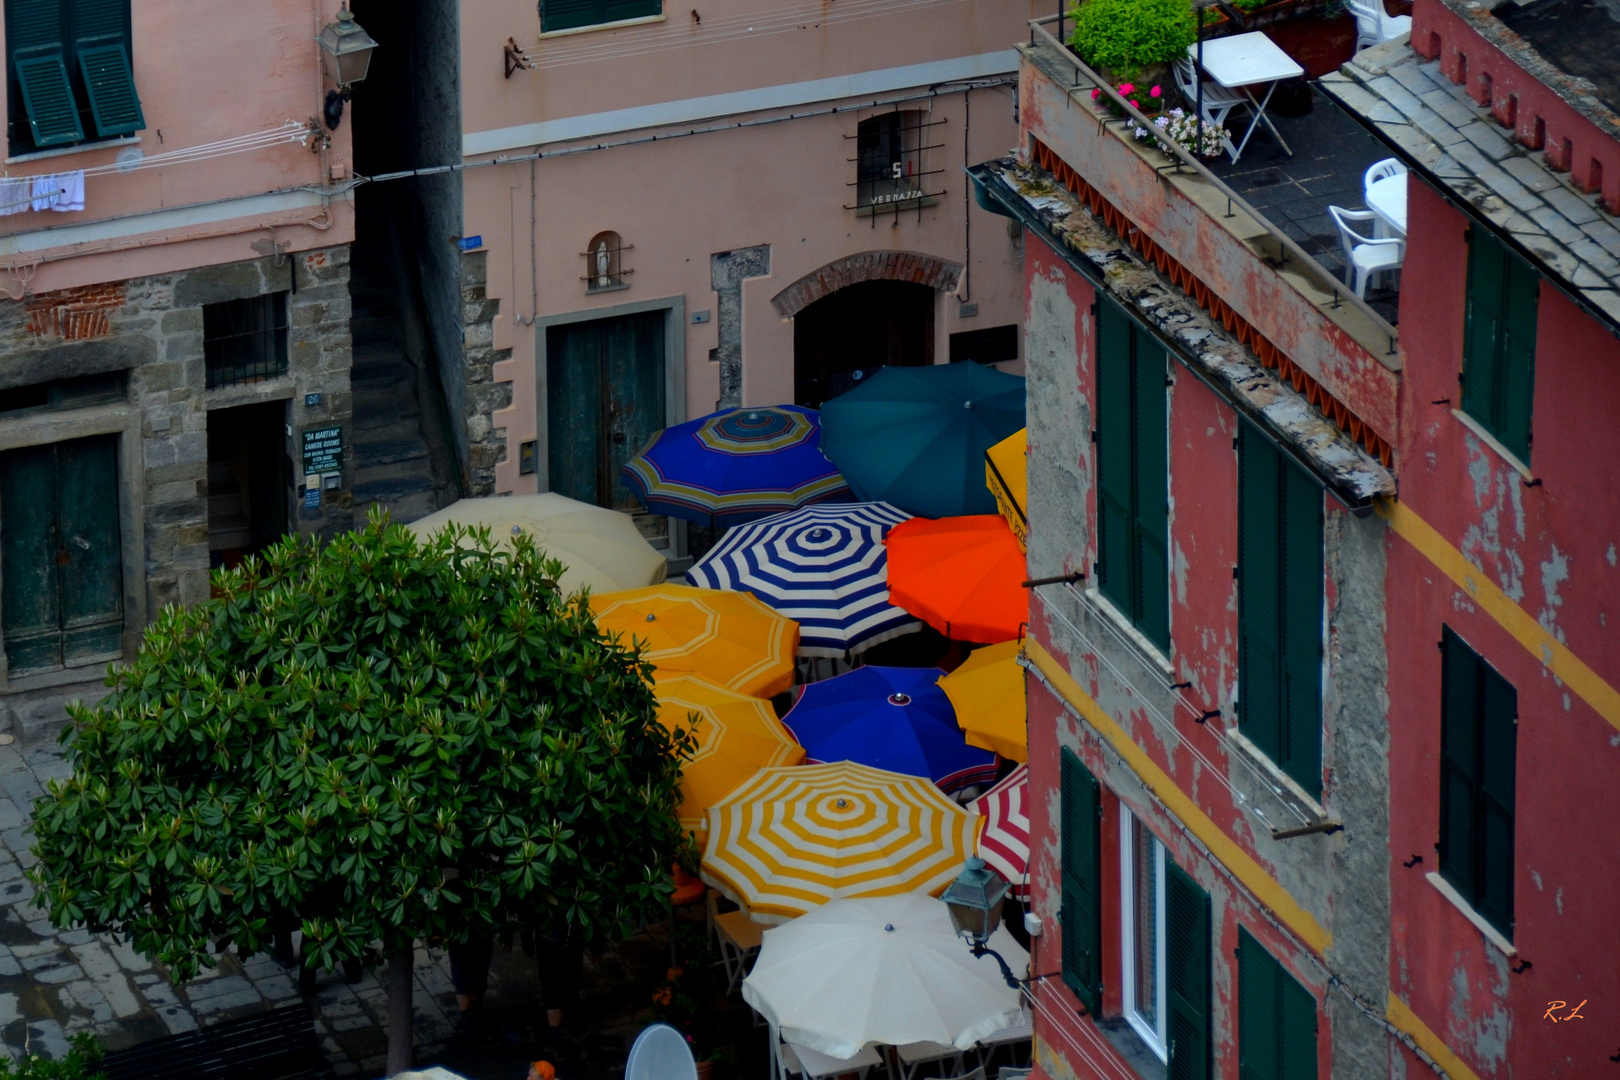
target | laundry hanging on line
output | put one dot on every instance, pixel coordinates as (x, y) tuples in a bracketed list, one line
[(58, 191)]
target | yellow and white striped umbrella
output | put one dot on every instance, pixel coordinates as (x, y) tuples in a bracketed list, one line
[(793, 838)]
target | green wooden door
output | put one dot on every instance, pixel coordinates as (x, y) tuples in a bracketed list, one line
[(61, 564), (605, 400)]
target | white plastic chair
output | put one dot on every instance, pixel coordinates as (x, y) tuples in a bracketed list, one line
[(914, 1056), (791, 1060), (1382, 170), (1218, 100), (739, 938), (1012, 1037), (1365, 256), (1375, 25), (660, 1053)]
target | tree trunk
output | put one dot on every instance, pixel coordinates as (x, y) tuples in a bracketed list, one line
[(400, 983)]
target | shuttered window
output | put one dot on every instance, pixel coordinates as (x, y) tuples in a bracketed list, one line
[(1280, 609), (1478, 765), (1133, 474), (1499, 341), (1276, 1018), (568, 14), (69, 72), (1187, 975), (1081, 916)]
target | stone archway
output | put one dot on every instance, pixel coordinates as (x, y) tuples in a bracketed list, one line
[(908, 266)]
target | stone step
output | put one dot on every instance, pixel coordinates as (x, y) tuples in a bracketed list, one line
[(380, 375), (38, 716), (385, 483), (389, 451), (403, 509), (385, 414)]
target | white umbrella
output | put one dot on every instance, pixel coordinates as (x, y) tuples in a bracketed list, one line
[(884, 970)]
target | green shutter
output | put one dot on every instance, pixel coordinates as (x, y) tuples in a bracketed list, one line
[(1482, 328), (1259, 592), (100, 22), (34, 25), (1081, 916), (1459, 706), (1115, 553), (1516, 375), (1187, 976), (53, 115), (110, 85), (567, 14), (1151, 503), (1276, 1018), (632, 9), (1301, 630), (1498, 745)]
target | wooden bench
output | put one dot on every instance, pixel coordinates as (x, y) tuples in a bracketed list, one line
[(278, 1044)]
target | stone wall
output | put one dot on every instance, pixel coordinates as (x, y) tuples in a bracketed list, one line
[(152, 328), (486, 446)]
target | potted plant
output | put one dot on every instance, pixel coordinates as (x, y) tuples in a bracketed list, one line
[(689, 1001), (1133, 41)]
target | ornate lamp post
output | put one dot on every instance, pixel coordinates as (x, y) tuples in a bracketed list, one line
[(975, 899), (346, 51)]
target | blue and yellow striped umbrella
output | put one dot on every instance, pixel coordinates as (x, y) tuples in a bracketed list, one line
[(736, 465)]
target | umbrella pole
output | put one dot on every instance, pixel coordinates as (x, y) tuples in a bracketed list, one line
[(672, 964)]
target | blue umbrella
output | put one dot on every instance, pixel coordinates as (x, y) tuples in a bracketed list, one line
[(889, 718), (825, 567), (915, 437), (735, 465)]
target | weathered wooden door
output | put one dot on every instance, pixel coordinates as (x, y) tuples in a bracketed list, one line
[(61, 565), (605, 399)]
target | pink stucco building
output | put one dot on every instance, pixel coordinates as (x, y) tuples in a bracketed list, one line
[(174, 262), (662, 211)]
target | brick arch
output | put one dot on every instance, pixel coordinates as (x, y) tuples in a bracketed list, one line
[(910, 266)]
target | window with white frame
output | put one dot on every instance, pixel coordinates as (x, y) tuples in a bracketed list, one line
[(1142, 922)]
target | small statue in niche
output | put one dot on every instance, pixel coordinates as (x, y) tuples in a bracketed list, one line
[(602, 264)]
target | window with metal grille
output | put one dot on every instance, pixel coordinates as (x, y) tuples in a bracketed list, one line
[(1478, 770), (69, 73), (891, 153), (245, 341), (1499, 342)]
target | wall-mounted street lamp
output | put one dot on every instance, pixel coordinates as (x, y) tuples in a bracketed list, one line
[(346, 52), (975, 900)]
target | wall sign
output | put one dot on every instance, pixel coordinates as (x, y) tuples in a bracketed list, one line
[(470, 243), (323, 450)]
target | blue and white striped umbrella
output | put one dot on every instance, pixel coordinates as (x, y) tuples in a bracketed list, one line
[(823, 566)]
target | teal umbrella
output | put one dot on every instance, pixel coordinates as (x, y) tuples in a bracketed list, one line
[(915, 437)]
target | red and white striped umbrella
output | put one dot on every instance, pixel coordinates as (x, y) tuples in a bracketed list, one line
[(1004, 834)]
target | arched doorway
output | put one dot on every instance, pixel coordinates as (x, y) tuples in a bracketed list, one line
[(847, 335)]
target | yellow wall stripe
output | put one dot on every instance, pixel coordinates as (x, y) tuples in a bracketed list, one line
[(1401, 1015), (1554, 654), (1265, 888)]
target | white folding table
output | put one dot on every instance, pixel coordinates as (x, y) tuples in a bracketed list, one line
[(1387, 199), (1243, 61)]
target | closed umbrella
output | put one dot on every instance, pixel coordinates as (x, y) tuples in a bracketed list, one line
[(915, 437), (883, 971), (962, 576), (1006, 474), (727, 638), (825, 567), (891, 718), (987, 692), (793, 838), (599, 548), (736, 736), (735, 465), (1004, 836)]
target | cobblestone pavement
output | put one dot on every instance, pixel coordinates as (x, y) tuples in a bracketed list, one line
[(55, 983)]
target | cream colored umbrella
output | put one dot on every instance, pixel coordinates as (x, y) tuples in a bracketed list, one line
[(601, 549), (793, 838)]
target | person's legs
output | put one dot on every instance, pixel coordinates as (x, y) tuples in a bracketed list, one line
[(469, 973), (560, 961)]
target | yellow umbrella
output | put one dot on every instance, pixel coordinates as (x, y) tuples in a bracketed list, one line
[(1006, 474), (791, 839), (728, 638), (736, 735), (987, 692), (599, 548)]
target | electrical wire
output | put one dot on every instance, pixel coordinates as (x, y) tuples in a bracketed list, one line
[(290, 132), (1167, 726), (728, 28)]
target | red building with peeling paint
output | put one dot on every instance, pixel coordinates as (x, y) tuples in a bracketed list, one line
[(1324, 724)]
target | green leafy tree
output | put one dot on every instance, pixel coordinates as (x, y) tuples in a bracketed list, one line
[(1125, 36), (77, 1064), (377, 741)]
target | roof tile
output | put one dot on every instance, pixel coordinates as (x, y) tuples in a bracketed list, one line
[(1529, 173), (1574, 207), (1605, 234), (1556, 225), (1487, 139), (1449, 108)]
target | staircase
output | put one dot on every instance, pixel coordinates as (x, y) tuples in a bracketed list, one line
[(394, 467)]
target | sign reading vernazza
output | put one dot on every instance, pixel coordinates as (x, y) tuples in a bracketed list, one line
[(810, 540)]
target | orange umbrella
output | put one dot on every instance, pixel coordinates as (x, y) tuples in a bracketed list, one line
[(962, 575), (728, 638)]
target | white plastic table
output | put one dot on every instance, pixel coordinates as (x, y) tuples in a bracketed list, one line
[(1243, 61), (1387, 199)]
